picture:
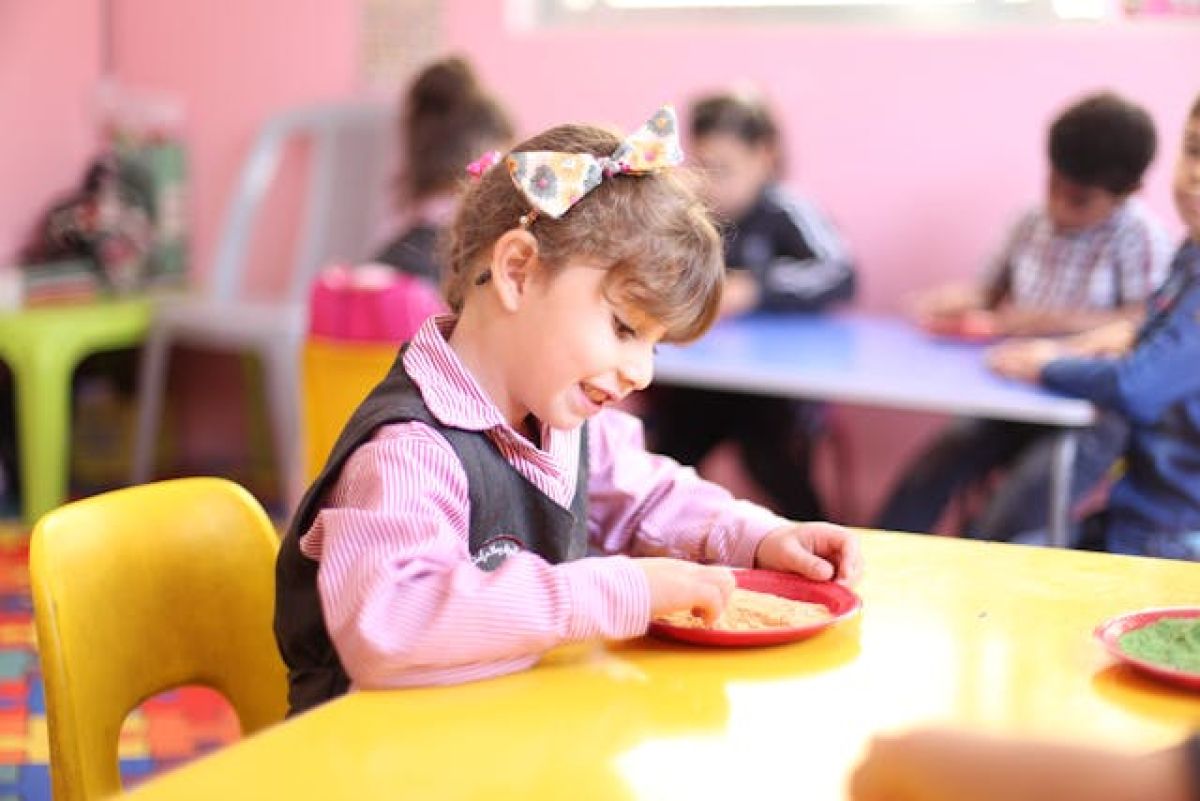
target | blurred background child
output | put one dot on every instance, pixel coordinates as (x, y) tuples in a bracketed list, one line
[(1148, 378), (448, 119), (1089, 255), (781, 255)]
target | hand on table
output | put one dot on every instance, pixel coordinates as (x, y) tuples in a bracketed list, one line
[(946, 302), (1024, 360), (818, 551), (740, 295)]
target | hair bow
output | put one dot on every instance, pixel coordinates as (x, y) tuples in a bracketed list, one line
[(485, 162), (554, 182)]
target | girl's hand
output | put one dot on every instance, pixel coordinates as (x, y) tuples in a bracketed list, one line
[(677, 585), (944, 765), (1024, 360), (819, 551)]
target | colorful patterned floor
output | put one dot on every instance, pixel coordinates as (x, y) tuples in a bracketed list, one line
[(163, 732)]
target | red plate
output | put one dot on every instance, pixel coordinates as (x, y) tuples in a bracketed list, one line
[(1109, 633), (841, 602)]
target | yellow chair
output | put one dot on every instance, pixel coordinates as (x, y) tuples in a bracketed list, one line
[(143, 590)]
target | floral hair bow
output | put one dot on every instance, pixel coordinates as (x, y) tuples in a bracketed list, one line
[(554, 182)]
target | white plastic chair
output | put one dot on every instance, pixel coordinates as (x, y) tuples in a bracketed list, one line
[(350, 154)]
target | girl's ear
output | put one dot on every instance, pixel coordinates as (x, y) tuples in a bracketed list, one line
[(514, 262)]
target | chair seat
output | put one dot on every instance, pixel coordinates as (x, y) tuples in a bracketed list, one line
[(241, 321)]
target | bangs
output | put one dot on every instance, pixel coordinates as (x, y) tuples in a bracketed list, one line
[(681, 299)]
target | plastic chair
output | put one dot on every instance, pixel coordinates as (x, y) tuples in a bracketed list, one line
[(350, 146), (144, 590), (43, 346)]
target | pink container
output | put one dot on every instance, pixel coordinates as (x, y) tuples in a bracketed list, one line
[(369, 303)]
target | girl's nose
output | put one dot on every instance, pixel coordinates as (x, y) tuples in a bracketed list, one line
[(638, 369)]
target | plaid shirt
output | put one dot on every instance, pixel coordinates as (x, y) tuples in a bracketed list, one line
[(1119, 262)]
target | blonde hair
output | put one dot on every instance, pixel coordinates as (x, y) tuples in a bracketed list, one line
[(651, 232)]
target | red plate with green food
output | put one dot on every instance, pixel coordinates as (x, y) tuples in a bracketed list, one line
[(1162, 642)]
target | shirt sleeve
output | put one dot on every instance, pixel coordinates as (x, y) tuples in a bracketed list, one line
[(1156, 374), (997, 276), (402, 600), (646, 504), (812, 267), (1141, 256)]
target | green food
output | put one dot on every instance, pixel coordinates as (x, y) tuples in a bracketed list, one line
[(1174, 642)]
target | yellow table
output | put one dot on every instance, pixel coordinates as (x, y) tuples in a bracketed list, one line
[(987, 635)]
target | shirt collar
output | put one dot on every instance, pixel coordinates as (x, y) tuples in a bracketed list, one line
[(452, 394)]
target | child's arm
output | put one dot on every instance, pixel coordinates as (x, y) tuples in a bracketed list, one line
[(1011, 321), (1159, 371), (648, 505), (812, 268), (939, 765), (402, 600), (645, 504)]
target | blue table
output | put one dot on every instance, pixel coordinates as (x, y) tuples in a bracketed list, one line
[(874, 361)]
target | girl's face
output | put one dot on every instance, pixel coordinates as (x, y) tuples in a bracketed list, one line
[(1187, 179), (736, 172), (582, 351)]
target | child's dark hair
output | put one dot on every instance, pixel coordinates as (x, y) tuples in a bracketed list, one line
[(737, 115), (1195, 112), (448, 120), (650, 232), (1103, 141)]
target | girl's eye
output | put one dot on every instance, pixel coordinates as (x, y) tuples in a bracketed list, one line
[(623, 329)]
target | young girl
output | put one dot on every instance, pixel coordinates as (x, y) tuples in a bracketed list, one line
[(1149, 378), (444, 540), (447, 119), (782, 256)]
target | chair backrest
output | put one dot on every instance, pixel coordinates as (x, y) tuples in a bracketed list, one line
[(143, 590), (351, 155)]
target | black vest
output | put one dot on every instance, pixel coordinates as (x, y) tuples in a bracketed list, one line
[(507, 513)]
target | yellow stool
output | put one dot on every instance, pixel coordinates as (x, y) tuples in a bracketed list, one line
[(337, 376)]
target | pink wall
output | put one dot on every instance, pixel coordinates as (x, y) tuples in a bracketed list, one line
[(49, 63), (232, 69), (922, 144)]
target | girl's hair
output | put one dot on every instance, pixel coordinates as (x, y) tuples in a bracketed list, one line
[(1195, 112), (649, 231), (448, 120)]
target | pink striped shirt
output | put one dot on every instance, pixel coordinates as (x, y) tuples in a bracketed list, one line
[(403, 601)]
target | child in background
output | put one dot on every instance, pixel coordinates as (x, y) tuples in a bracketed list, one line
[(1151, 379), (781, 254), (939, 765), (444, 539), (446, 121), (1091, 255)]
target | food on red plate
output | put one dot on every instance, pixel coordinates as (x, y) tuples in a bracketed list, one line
[(748, 610)]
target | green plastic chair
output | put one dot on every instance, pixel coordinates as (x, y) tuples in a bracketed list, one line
[(43, 346)]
